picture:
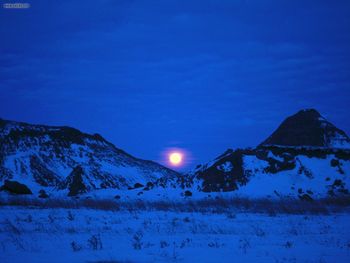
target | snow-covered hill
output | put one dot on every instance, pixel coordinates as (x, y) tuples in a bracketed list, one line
[(278, 171), (65, 160), (306, 157)]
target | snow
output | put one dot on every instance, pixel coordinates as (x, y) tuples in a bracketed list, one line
[(103, 164), (86, 235), (17, 162), (100, 160), (278, 158), (339, 141), (225, 167), (287, 183)]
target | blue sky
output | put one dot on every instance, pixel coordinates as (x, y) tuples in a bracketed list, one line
[(200, 75)]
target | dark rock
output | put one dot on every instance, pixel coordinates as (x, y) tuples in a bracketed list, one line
[(117, 197), (216, 179), (305, 171), (276, 166), (75, 183), (138, 185), (277, 193), (331, 192), (98, 137), (305, 197), (41, 173), (337, 188), (337, 182), (306, 128), (15, 187), (43, 194), (150, 185), (343, 191), (309, 192), (188, 193), (334, 162)]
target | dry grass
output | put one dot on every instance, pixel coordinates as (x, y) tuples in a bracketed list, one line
[(217, 205)]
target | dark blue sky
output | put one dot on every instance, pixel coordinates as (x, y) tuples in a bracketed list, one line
[(200, 75)]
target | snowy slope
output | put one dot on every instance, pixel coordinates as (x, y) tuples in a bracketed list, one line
[(276, 171), (306, 157), (65, 160)]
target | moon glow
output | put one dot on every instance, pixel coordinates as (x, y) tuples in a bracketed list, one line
[(175, 158)]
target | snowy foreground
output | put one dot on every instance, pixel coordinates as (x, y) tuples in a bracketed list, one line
[(164, 234)]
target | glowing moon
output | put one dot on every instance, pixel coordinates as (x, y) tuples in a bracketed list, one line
[(175, 158)]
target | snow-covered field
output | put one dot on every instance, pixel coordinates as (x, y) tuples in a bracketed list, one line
[(32, 234)]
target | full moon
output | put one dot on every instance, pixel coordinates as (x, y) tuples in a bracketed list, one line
[(175, 158)]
